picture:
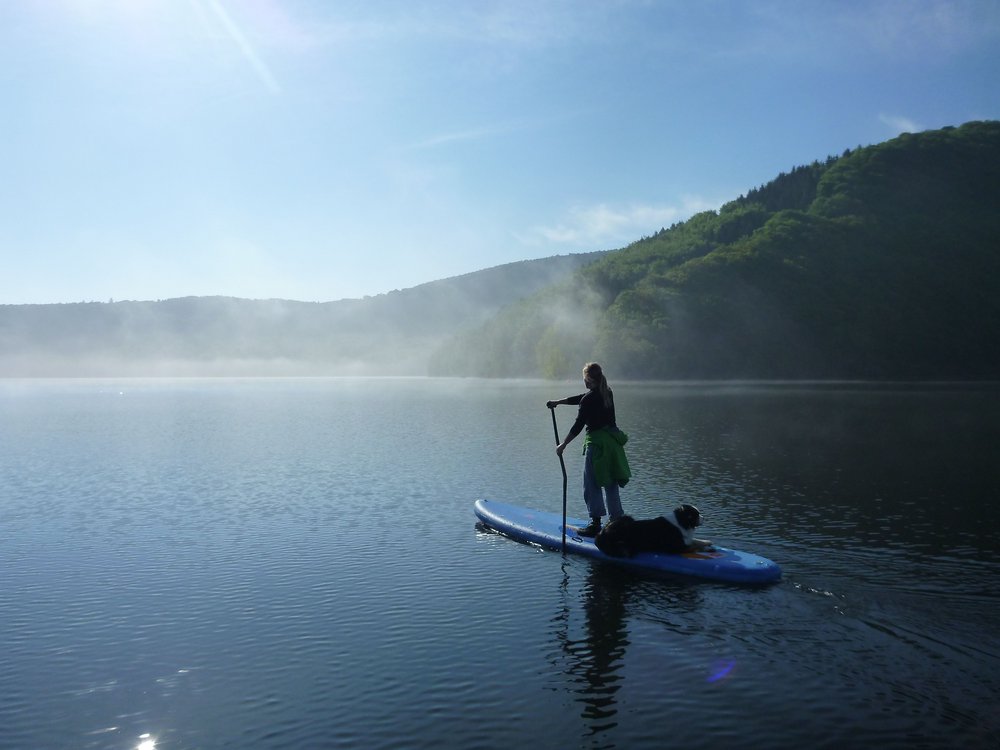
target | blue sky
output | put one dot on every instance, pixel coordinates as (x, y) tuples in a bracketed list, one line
[(326, 149)]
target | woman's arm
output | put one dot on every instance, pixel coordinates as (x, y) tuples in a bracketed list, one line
[(568, 401), (573, 432), (577, 427)]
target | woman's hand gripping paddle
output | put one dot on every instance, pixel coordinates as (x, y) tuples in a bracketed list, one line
[(563, 465)]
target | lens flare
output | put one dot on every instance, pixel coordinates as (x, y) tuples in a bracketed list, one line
[(722, 671), (246, 48)]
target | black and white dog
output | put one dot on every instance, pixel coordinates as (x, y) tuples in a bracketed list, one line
[(672, 533)]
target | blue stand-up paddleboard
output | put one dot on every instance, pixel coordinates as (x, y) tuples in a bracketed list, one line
[(545, 529)]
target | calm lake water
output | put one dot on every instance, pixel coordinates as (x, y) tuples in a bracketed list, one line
[(295, 564)]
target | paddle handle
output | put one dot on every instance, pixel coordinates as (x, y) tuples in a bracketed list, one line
[(562, 465)]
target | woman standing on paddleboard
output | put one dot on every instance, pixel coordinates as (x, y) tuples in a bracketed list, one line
[(605, 467)]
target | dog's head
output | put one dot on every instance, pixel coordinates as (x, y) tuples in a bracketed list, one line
[(688, 516)]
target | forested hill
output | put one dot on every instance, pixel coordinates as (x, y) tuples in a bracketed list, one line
[(881, 263), (388, 334)]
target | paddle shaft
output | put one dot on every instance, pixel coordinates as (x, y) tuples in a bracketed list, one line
[(562, 464)]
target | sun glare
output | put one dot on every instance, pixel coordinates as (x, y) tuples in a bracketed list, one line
[(161, 25), (128, 8)]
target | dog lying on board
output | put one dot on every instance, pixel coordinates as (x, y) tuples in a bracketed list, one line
[(672, 533)]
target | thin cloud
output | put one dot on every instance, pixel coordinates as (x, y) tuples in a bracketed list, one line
[(943, 26), (816, 33), (472, 134), (491, 131), (900, 124), (602, 226), (518, 23)]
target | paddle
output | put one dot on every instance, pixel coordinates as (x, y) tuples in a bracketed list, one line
[(563, 465)]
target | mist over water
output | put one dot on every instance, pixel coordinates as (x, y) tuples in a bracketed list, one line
[(294, 563), (393, 334)]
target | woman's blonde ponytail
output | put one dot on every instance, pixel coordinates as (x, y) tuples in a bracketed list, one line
[(593, 372)]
